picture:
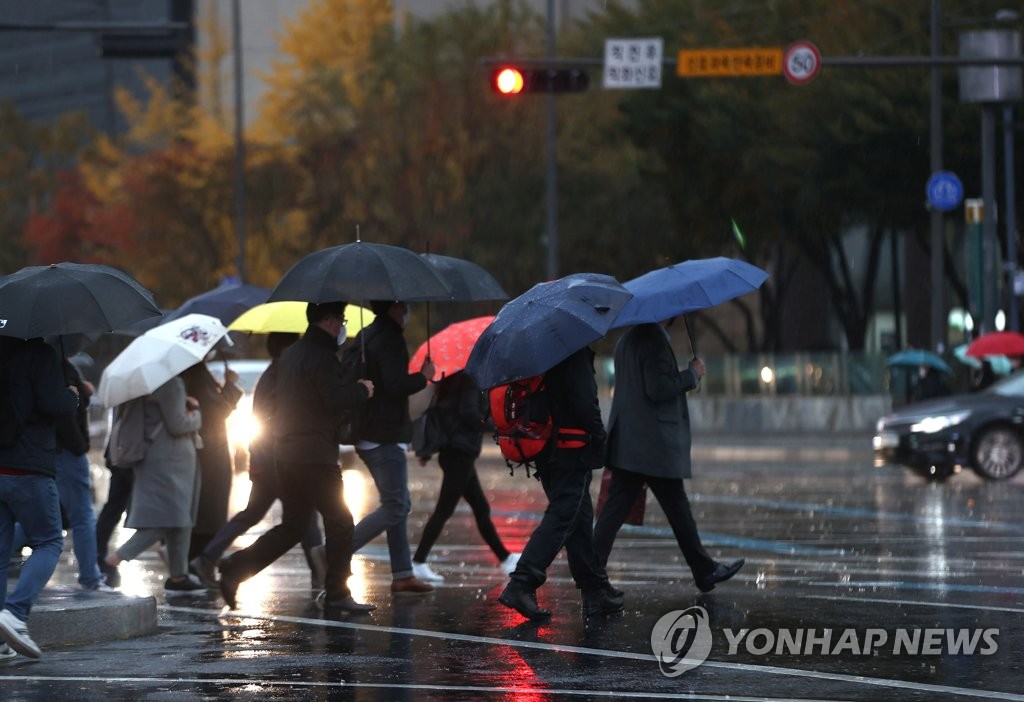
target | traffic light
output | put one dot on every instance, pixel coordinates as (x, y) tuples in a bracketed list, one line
[(513, 80)]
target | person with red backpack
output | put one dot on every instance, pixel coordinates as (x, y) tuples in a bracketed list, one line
[(564, 469)]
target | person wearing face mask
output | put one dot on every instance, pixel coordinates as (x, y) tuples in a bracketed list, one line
[(384, 437), (310, 397)]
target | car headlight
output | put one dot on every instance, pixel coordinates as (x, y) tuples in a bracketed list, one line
[(930, 425)]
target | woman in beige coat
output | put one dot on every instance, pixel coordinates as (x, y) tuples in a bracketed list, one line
[(165, 495)]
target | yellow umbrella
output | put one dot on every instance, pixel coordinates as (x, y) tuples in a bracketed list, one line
[(291, 317)]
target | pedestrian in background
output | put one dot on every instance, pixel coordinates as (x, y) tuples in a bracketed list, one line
[(310, 399), (649, 442), (263, 474), (384, 437), (930, 383), (458, 418), (165, 492), (565, 469), (217, 401), (36, 394)]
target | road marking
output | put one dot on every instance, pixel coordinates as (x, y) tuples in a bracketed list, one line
[(606, 653)]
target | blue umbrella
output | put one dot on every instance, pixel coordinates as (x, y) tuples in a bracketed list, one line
[(226, 303), (544, 326), (918, 357), (687, 287)]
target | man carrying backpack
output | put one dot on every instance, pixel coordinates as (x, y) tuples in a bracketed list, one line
[(35, 392), (565, 470)]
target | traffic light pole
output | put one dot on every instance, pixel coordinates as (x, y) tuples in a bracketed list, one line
[(551, 181)]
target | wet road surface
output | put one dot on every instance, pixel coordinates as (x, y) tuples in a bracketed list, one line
[(859, 584)]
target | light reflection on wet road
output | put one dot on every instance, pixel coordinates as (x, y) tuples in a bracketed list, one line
[(831, 544)]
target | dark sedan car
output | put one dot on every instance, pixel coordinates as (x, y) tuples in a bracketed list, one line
[(936, 438)]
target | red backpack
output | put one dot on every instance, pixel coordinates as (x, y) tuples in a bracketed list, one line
[(522, 422)]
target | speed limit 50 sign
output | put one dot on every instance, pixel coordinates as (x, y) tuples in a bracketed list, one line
[(801, 62)]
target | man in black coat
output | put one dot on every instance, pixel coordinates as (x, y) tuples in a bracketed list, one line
[(310, 399), (649, 442), (564, 469), (385, 434)]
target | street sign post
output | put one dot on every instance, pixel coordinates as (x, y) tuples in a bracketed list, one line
[(633, 63), (718, 63), (801, 62), (944, 190)]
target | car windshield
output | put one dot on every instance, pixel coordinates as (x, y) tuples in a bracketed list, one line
[(1012, 386)]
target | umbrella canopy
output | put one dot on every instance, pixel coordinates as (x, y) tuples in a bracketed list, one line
[(68, 298), (468, 281), (225, 302), (1004, 343), (544, 326), (1000, 364), (918, 357), (687, 287), (450, 347), (291, 317), (361, 271), (152, 359)]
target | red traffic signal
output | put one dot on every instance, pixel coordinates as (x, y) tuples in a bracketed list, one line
[(513, 80)]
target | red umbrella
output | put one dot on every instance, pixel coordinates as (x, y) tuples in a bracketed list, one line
[(1004, 343), (450, 347)]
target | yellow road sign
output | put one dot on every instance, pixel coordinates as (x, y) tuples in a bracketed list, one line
[(696, 63)]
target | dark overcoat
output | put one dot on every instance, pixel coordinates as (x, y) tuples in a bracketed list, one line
[(649, 425)]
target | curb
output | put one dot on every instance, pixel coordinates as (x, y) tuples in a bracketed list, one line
[(64, 616)]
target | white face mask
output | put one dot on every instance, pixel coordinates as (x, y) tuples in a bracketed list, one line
[(405, 319), (342, 335)]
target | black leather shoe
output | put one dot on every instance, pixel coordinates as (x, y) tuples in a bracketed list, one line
[(228, 584), (524, 601), (722, 572), (348, 604), (606, 600)]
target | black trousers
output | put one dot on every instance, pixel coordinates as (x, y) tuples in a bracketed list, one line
[(119, 494), (624, 488), (567, 521), (304, 487), (460, 481)]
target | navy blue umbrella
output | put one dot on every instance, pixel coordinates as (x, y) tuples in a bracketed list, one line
[(687, 287), (226, 303), (544, 326)]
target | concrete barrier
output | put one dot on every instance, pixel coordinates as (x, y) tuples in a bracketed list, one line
[(790, 414)]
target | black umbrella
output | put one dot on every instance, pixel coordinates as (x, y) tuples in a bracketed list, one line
[(361, 271), (227, 302), (468, 281), (69, 298)]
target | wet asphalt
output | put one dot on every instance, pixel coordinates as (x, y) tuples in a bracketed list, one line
[(860, 583)]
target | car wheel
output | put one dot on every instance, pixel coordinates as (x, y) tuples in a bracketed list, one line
[(998, 453)]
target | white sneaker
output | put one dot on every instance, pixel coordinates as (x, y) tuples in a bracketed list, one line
[(7, 653), (102, 586), (15, 633), (423, 572), (508, 565)]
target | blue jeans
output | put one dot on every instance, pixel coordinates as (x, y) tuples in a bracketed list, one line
[(390, 472), (32, 501), (73, 486)]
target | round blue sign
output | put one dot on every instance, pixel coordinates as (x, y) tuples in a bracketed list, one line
[(945, 191)]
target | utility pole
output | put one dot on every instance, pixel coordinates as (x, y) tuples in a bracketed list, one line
[(551, 188), (938, 239), (236, 30)]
